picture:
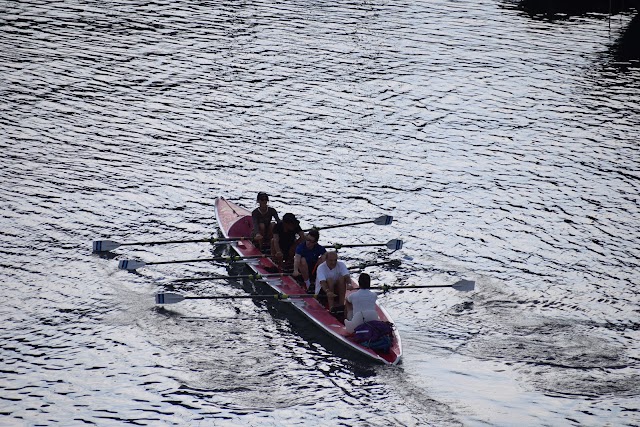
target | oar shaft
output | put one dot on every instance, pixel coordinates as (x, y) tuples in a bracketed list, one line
[(342, 225), (240, 276), (172, 298), (163, 242), (220, 258), (463, 285), (395, 262), (355, 245), (276, 296), (385, 288)]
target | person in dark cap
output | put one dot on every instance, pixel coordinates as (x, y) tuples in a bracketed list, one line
[(263, 216), (286, 236)]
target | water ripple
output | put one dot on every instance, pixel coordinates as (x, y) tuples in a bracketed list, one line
[(504, 146)]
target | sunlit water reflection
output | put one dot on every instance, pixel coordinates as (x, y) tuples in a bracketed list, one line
[(505, 146)]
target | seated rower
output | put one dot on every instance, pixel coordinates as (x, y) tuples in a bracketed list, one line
[(361, 304), (308, 255), (262, 217), (286, 236), (332, 277)]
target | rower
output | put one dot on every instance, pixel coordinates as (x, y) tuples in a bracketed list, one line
[(286, 236), (332, 278), (309, 254), (361, 305), (262, 220)]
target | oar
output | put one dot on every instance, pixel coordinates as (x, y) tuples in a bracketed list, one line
[(382, 220), (108, 245), (240, 276), (461, 285), (260, 276), (131, 264), (394, 244), (393, 262), (172, 298)]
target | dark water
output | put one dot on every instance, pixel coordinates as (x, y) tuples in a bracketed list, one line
[(505, 146)]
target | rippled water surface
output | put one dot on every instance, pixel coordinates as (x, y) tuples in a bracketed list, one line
[(505, 146)]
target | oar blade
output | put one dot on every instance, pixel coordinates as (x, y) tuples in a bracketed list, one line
[(464, 285), (168, 298), (104, 245), (395, 244), (383, 220), (130, 264)]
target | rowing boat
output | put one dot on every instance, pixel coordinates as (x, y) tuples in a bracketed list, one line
[(235, 221)]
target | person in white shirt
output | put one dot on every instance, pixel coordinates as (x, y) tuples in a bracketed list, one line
[(332, 277), (361, 304)]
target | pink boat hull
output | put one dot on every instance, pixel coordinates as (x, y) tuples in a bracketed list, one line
[(236, 221)]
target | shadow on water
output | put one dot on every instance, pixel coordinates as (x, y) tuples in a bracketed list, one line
[(627, 47), (560, 9), (625, 50)]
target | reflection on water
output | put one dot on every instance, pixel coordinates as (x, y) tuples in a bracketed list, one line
[(504, 145)]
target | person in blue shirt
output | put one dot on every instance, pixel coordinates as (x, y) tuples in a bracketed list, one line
[(308, 255)]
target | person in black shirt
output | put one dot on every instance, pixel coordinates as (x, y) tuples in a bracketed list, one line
[(262, 217), (286, 236)]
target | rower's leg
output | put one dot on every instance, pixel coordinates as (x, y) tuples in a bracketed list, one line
[(258, 240), (277, 259), (304, 269), (341, 290), (331, 296), (348, 310), (304, 272)]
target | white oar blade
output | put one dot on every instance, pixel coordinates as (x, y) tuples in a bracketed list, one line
[(464, 285), (395, 244), (130, 264), (168, 298), (104, 245), (383, 220)]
